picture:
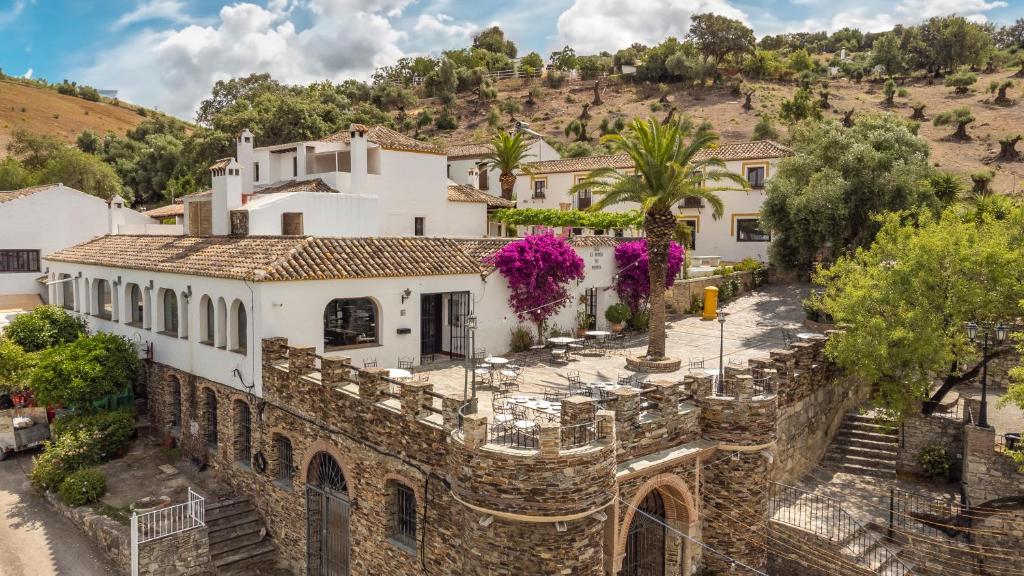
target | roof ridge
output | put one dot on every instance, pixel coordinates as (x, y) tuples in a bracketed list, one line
[(259, 274)]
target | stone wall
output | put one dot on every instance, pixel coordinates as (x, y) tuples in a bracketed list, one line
[(797, 552), (1000, 533), (183, 554), (112, 537), (919, 432), (684, 290), (988, 474)]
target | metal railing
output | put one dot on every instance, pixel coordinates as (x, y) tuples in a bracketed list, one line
[(763, 385), (825, 517), (910, 512), (165, 522), (954, 411), (579, 434)]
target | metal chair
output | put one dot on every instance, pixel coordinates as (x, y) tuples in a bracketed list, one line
[(405, 363), (524, 427), (371, 363), (696, 364), (575, 385), (503, 414), (560, 354)]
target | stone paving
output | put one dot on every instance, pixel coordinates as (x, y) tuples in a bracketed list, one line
[(755, 323)]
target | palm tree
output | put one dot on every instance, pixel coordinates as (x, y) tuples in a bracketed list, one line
[(670, 166), (510, 153)]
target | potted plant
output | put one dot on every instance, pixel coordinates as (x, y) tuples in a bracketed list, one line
[(616, 315), (584, 322)]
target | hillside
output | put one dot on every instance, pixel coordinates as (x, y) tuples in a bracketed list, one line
[(44, 111), (557, 107)]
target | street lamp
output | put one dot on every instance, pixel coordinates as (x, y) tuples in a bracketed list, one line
[(721, 352), (1000, 333), (470, 325)]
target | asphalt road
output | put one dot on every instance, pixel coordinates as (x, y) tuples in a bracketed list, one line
[(35, 540)]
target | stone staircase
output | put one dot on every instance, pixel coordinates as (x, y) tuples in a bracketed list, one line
[(238, 537), (864, 446)]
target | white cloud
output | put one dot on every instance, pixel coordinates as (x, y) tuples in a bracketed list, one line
[(924, 9), (27, 74), (174, 69), (11, 14), (593, 25), (170, 10), (441, 31)]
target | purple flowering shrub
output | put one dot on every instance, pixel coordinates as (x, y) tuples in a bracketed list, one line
[(633, 283), (538, 268)]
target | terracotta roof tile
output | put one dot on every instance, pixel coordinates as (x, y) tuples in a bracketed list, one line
[(467, 193), (470, 150), (277, 258), (387, 138), (176, 209), (756, 150), (220, 164), (314, 185), (8, 195)]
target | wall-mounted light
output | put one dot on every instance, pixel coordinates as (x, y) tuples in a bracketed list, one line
[(406, 294), (150, 284), (118, 281), (188, 293), (471, 322)]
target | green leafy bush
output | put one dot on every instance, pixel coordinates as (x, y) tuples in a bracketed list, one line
[(114, 429), (83, 487), (728, 288), (696, 304), (935, 461), (63, 456), (78, 373), (640, 320), (617, 313), (521, 340), (723, 271), (747, 264), (554, 79), (44, 327)]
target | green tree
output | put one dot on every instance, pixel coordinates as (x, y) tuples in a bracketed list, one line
[(564, 59), (961, 81), (44, 327), (800, 61), (13, 175), (944, 43), (887, 52), (533, 60), (889, 90), (85, 370), (822, 199), (15, 366), (960, 117), (908, 297), (493, 40), (718, 37), (88, 142), (509, 153), (764, 129), (999, 89), (84, 172), (947, 186), (801, 107), (667, 162), (33, 150)]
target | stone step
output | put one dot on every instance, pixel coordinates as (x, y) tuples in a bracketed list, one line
[(258, 551), (228, 511), (866, 419), (866, 462), (861, 470), (886, 455), (867, 427), (869, 436), (858, 439), (225, 502), (233, 522), (228, 545)]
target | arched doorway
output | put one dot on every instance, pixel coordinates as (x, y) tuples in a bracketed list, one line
[(327, 517), (645, 541)]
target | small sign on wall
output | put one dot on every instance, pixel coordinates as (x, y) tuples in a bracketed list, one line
[(404, 330)]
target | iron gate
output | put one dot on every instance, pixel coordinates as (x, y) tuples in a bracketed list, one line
[(645, 543), (327, 518), (590, 309), (430, 323), (459, 307)]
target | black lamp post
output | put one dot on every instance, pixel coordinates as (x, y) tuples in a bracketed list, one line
[(470, 357), (721, 352), (1000, 336)]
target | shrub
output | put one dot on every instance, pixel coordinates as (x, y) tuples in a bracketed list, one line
[(747, 264), (85, 370), (63, 456), (617, 313), (728, 288), (89, 93), (935, 461), (554, 79), (640, 320), (696, 304), (83, 487), (44, 327), (521, 340), (114, 429), (723, 271)]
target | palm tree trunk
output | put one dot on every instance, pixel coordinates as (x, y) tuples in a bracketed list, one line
[(658, 225), (508, 183)]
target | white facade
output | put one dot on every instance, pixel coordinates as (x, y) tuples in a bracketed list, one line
[(53, 218), (296, 310), (458, 166), (728, 237)]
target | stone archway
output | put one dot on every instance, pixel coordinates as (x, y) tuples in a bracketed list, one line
[(679, 512)]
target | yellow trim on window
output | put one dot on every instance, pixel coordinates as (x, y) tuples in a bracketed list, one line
[(756, 164), (738, 215), (691, 217)]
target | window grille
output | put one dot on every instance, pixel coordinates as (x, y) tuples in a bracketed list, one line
[(404, 528), (19, 260), (285, 460), (244, 434), (211, 419)]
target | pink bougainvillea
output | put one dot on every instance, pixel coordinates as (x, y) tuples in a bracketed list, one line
[(633, 282), (538, 268)]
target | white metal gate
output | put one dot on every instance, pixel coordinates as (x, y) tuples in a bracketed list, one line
[(165, 522)]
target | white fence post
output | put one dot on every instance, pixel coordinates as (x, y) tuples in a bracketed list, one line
[(134, 530)]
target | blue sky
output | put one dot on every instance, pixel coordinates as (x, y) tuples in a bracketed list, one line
[(167, 53)]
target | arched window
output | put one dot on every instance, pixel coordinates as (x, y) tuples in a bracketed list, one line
[(350, 322), (239, 326), (284, 461), (207, 322), (243, 433), (170, 304), (402, 509), (104, 302), (67, 288), (211, 419), (175, 406), (135, 307)]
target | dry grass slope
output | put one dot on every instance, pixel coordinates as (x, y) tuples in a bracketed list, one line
[(44, 111)]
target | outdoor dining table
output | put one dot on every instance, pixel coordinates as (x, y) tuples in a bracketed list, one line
[(562, 340), (598, 333), (496, 361), (810, 336), (398, 373), (539, 407)]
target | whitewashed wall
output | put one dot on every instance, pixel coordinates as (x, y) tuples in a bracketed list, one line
[(323, 214)]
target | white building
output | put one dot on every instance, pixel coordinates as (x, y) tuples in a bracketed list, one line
[(464, 157), (359, 182), (43, 219), (733, 237), (204, 303)]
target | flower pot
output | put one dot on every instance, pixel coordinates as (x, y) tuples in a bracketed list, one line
[(617, 327)]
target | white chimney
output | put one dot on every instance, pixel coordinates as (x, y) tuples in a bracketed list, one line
[(115, 214), (357, 148), (473, 177), (246, 157), (227, 195), (300, 160)]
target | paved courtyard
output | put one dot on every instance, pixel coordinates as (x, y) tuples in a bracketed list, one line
[(755, 324)]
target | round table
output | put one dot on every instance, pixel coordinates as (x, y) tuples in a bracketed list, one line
[(598, 333), (397, 373), (496, 361), (810, 336), (561, 340)]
